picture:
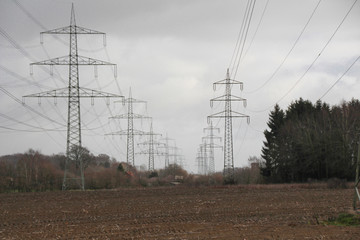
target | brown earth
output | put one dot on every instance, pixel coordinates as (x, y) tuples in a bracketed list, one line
[(240, 212)]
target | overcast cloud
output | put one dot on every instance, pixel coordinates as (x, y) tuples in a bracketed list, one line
[(170, 53)]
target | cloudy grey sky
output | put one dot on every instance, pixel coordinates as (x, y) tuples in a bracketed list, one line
[(170, 53)]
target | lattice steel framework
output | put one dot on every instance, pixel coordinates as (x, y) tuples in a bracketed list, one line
[(228, 114), (130, 132), (73, 93), (151, 151), (167, 150), (202, 159), (211, 145)]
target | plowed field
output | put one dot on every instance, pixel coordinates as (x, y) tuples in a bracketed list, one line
[(261, 212)]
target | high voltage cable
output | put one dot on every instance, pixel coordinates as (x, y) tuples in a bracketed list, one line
[(14, 74), (339, 78), (22, 51), (257, 28), (239, 36), (26, 124), (240, 43), (244, 41), (28, 107), (291, 49), (20, 48), (27, 130), (313, 62), (37, 22), (16, 45), (31, 110)]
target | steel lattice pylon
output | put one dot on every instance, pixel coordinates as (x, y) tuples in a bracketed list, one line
[(130, 132), (167, 150), (228, 114), (73, 93), (211, 145), (151, 151)]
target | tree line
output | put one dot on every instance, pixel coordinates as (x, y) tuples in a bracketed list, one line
[(311, 141), (32, 171)]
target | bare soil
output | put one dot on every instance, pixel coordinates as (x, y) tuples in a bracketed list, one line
[(237, 212)]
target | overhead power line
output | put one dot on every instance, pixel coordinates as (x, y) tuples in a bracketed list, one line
[(240, 43), (37, 22), (26, 124), (313, 62), (338, 80), (289, 52), (28, 107), (257, 28)]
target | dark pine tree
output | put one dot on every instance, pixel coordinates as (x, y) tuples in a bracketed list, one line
[(271, 149)]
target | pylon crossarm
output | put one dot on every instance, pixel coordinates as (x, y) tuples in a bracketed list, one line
[(228, 81), (91, 61), (148, 142), (133, 100), (64, 93), (65, 60), (119, 116), (60, 30), (125, 115), (225, 98), (86, 92), (217, 115), (82, 30), (147, 152), (211, 137), (208, 145), (122, 132), (139, 116), (233, 115), (68, 30), (125, 132), (228, 98)]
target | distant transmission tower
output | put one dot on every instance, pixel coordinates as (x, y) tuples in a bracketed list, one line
[(228, 114), (203, 160), (73, 92), (167, 149), (211, 145), (130, 132), (151, 151), (178, 158), (199, 160)]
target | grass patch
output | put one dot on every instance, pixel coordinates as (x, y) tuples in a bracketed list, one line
[(345, 219)]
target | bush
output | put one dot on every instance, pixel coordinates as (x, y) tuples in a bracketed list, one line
[(334, 183), (153, 174)]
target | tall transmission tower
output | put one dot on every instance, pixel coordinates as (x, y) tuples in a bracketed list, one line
[(73, 92), (167, 150), (151, 151), (203, 160), (211, 145), (130, 132), (178, 158), (228, 114), (199, 160)]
